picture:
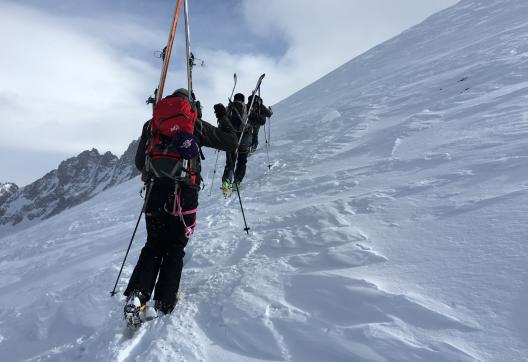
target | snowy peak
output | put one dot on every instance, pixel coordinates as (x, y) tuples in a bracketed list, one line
[(76, 180), (6, 190), (85, 166)]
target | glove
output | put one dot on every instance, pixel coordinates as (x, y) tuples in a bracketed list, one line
[(220, 110), (269, 109), (198, 126), (198, 109)]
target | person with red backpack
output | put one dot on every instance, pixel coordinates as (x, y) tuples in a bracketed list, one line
[(169, 157)]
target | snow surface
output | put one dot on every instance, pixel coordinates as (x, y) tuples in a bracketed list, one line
[(391, 227)]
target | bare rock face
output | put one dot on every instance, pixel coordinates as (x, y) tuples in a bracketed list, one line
[(7, 189), (76, 180)]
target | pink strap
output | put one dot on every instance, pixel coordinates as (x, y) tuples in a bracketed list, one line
[(189, 230), (180, 213), (177, 211)]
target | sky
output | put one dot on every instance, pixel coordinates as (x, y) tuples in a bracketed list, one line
[(75, 74)]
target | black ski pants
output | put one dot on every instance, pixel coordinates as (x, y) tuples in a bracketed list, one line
[(235, 167), (160, 263), (255, 132), (236, 162)]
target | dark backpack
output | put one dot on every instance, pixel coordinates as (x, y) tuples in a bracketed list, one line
[(236, 111), (172, 149)]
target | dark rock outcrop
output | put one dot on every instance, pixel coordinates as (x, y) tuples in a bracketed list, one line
[(76, 180)]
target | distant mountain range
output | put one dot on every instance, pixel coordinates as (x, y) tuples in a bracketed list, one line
[(76, 180)]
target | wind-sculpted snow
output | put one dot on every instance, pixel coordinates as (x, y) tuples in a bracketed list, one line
[(391, 226)]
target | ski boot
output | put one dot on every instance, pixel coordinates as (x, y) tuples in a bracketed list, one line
[(135, 305), (235, 186), (163, 306), (166, 307), (226, 188)]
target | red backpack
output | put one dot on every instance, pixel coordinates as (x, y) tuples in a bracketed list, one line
[(171, 138)]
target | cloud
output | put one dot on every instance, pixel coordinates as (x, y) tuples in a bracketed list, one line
[(75, 82), (63, 89), (318, 39), (322, 37)]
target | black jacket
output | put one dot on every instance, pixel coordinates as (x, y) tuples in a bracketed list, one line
[(258, 115)]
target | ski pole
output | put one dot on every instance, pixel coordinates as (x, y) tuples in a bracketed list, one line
[(214, 172), (246, 229), (267, 146), (149, 188), (269, 131), (265, 134)]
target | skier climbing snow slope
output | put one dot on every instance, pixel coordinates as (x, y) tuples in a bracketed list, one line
[(392, 225)]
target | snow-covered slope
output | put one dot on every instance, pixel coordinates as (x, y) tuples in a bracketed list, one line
[(392, 226)]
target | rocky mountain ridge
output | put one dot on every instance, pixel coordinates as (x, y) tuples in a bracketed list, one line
[(75, 180)]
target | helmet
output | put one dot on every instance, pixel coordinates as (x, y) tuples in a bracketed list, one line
[(250, 98), (182, 91)]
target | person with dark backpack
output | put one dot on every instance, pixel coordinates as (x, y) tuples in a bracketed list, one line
[(257, 118), (169, 157), (235, 168)]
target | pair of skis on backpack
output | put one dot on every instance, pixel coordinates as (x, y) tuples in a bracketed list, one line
[(229, 187)]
